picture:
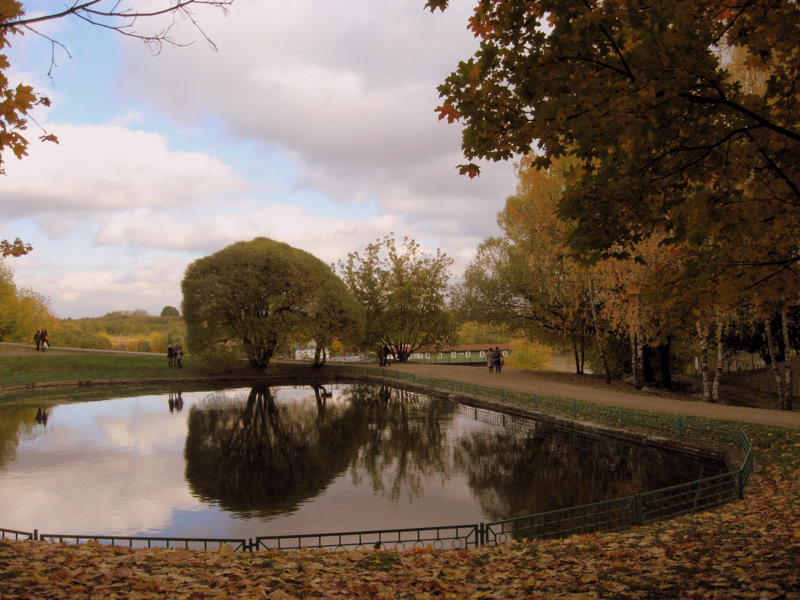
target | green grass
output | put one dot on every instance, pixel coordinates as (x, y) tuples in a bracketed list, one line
[(78, 363)]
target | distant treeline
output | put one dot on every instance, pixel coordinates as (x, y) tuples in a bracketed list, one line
[(122, 330)]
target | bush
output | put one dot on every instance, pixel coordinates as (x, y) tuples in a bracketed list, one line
[(75, 338), (528, 355)]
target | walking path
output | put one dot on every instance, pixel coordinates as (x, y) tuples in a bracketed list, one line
[(600, 393)]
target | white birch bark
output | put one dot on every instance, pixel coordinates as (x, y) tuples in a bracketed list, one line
[(774, 363)]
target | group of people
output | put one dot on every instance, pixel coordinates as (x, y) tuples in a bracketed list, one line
[(42, 339), (494, 359), (384, 352), (174, 356)]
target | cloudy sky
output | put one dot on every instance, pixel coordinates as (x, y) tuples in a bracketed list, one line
[(312, 123)]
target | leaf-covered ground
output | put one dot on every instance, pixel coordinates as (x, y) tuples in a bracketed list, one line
[(747, 549)]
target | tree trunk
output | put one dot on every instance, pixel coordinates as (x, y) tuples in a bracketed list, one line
[(636, 360), (600, 347), (774, 363), (702, 333), (319, 356), (575, 353), (720, 362), (788, 378), (649, 374), (666, 371)]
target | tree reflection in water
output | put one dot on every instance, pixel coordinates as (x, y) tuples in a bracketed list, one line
[(261, 458), (518, 473)]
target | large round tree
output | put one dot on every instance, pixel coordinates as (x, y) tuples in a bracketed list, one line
[(252, 297)]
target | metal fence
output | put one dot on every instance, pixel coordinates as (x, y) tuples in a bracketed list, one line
[(612, 515)]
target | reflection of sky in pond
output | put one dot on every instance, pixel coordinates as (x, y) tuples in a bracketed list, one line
[(120, 467), (117, 467)]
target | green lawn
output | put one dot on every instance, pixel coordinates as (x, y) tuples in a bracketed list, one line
[(78, 362)]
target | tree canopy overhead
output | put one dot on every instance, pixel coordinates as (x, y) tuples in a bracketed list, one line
[(656, 101)]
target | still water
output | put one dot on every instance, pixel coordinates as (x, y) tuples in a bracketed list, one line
[(295, 460)]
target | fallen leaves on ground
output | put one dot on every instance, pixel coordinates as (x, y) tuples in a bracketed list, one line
[(749, 549)]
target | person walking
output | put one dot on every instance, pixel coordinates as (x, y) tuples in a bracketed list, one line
[(381, 356), (498, 359), (490, 359), (45, 339), (386, 353), (178, 355), (170, 355), (37, 337)]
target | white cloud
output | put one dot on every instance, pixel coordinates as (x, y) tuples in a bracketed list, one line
[(106, 168), (313, 124), (347, 88)]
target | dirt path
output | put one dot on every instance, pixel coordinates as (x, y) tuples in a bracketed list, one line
[(618, 395)]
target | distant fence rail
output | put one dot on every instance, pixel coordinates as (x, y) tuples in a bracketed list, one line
[(611, 515)]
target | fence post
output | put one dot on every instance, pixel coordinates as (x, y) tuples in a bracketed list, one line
[(481, 534), (35, 535), (638, 510)]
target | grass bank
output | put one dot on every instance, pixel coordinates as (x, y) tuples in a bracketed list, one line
[(78, 362)]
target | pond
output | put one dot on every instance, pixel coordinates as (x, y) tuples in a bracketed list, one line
[(299, 459)]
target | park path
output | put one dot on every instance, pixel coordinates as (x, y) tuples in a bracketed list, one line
[(600, 393)]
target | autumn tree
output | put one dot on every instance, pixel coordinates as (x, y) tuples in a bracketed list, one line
[(17, 101), (253, 297), (670, 137), (526, 281), (22, 311), (403, 291)]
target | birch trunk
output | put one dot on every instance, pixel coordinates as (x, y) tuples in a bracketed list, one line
[(702, 333), (720, 362), (598, 337), (788, 375), (774, 363)]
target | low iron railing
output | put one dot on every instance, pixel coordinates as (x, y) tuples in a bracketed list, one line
[(452, 536), (611, 515)]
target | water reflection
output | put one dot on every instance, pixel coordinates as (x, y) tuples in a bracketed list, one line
[(532, 467), (260, 458), (300, 460)]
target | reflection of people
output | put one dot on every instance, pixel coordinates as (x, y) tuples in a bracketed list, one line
[(384, 393), (42, 415), (175, 401)]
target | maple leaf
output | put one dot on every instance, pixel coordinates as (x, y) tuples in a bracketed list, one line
[(448, 111), (470, 169)]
